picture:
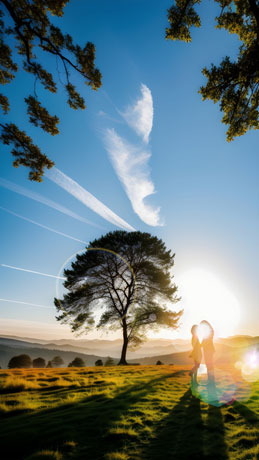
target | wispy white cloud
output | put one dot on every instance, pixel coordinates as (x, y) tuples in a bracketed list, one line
[(42, 226), (41, 199), (86, 197), (131, 165), (139, 116), (32, 271)]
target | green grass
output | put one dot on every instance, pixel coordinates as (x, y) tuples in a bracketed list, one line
[(125, 413)]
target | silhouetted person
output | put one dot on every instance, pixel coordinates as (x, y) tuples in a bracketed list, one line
[(208, 351), (196, 355), (208, 348)]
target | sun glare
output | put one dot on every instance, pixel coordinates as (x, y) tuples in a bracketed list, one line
[(204, 296)]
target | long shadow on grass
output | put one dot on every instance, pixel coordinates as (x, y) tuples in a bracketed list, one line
[(249, 416), (183, 435), (215, 435), (86, 422)]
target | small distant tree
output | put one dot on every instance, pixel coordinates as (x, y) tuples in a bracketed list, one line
[(20, 361), (99, 362), (39, 362), (159, 363), (57, 361), (77, 362), (49, 365), (109, 361)]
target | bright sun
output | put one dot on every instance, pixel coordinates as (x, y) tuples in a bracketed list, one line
[(204, 296)]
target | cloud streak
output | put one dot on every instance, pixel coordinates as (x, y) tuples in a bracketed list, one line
[(26, 303), (43, 226), (139, 116), (32, 271), (86, 198), (41, 199), (131, 165)]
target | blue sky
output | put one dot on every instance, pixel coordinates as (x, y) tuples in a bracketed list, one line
[(206, 189)]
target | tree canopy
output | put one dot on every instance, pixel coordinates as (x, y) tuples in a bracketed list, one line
[(57, 361), (20, 361), (77, 362), (109, 361), (38, 362), (233, 83), (28, 22), (128, 275)]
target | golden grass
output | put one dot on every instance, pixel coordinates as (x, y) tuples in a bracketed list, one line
[(125, 413)]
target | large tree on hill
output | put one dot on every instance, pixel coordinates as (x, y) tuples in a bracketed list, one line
[(127, 274), (233, 83), (28, 24)]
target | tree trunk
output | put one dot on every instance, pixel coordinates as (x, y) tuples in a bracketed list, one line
[(125, 344)]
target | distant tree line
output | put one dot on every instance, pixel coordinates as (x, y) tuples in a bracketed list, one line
[(24, 362)]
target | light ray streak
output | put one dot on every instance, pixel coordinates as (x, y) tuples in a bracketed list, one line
[(41, 199), (32, 271), (26, 303), (41, 225)]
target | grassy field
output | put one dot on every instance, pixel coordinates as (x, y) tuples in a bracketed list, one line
[(125, 413)]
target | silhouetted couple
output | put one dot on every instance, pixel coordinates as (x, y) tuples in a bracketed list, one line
[(205, 330)]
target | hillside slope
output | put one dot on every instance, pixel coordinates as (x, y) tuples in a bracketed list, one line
[(224, 355), (125, 413)]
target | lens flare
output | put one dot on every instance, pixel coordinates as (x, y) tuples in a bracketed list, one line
[(203, 331), (202, 370), (216, 391), (253, 359), (250, 366)]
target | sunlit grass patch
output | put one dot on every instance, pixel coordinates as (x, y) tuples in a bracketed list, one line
[(117, 456), (18, 406), (13, 384), (122, 432)]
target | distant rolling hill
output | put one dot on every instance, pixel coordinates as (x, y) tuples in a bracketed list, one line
[(99, 346), (51, 346), (171, 358), (224, 355), (240, 341), (228, 350)]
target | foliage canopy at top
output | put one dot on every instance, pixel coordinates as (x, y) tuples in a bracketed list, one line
[(235, 84), (31, 27)]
